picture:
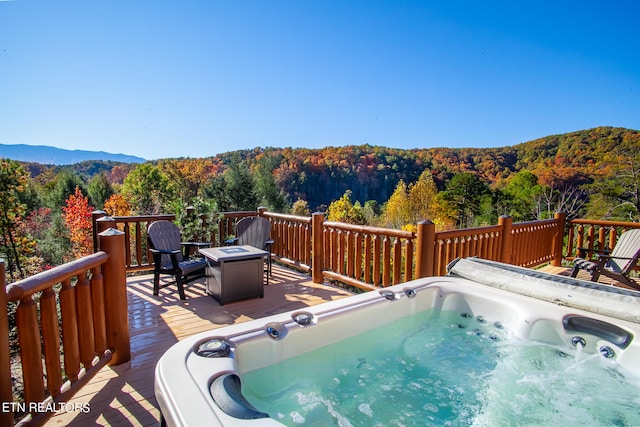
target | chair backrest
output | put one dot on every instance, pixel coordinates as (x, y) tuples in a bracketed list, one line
[(627, 246), (165, 235), (253, 231)]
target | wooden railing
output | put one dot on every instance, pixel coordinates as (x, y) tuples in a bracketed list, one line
[(369, 257), (94, 329), (366, 257), (594, 234), (292, 239)]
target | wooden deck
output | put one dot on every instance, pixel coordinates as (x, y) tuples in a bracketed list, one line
[(123, 395)]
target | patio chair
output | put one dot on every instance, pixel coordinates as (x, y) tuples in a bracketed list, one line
[(616, 264), (254, 231), (170, 256)]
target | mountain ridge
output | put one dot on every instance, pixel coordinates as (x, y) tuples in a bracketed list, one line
[(48, 155)]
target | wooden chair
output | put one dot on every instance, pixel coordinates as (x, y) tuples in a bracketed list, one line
[(616, 264), (254, 231), (170, 256)]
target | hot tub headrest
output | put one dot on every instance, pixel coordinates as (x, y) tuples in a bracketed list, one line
[(594, 297), (226, 392)]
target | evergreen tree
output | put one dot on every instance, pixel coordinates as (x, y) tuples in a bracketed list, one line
[(99, 189)]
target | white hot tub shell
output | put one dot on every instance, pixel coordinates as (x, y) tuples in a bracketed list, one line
[(197, 380)]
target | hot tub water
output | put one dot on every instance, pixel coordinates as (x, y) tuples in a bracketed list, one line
[(444, 368)]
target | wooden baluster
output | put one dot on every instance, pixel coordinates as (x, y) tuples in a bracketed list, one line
[(591, 237), (449, 253), (357, 273), (138, 240), (613, 238), (97, 302), (464, 246), (350, 253), (602, 234), (397, 260), (367, 258), (307, 242), (69, 330), (51, 340), (298, 242), (86, 337), (30, 350), (127, 243), (376, 259), (334, 250), (479, 246), (493, 248), (290, 243), (341, 250), (570, 251), (386, 266), (408, 261)]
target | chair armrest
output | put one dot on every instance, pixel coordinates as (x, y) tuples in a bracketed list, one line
[(582, 252), (231, 242), (164, 251), (196, 244), (607, 257), (268, 244), (157, 257)]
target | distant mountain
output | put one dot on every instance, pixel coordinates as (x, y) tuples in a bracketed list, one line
[(58, 156)]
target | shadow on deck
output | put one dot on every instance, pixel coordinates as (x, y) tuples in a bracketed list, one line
[(123, 395)]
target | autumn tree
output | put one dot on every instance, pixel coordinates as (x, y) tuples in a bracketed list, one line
[(344, 210), (615, 191), (77, 217), (148, 190), (396, 211), (117, 205), (14, 246), (301, 208)]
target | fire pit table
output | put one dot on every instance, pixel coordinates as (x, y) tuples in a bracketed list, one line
[(234, 272)]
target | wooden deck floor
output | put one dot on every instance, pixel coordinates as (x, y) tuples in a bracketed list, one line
[(123, 395)]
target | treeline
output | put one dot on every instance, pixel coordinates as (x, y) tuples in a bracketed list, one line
[(593, 173)]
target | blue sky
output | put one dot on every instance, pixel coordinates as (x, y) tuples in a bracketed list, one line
[(160, 79)]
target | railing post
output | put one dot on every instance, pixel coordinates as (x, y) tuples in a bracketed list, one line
[(95, 215), (103, 223), (6, 417), (261, 210), (317, 247), (506, 222), (115, 295), (426, 239), (558, 242)]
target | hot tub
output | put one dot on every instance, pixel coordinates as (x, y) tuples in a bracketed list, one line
[(487, 345)]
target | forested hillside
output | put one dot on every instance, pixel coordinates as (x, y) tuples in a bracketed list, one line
[(320, 176), (593, 173)]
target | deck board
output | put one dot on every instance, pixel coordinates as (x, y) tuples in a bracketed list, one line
[(123, 395)]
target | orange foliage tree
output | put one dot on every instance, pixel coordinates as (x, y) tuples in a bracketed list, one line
[(117, 205), (77, 217)]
